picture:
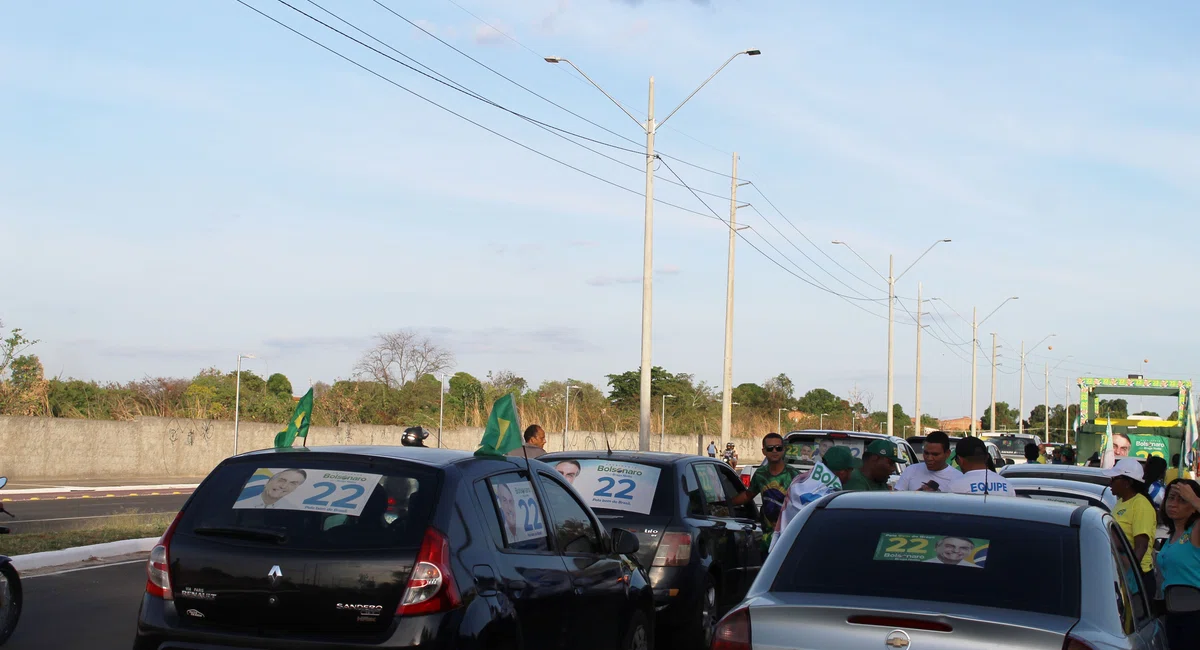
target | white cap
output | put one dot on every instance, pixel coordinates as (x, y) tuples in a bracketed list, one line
[(1129, 468)]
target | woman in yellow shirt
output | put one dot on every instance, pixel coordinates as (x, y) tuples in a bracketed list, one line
[(1135, 514)]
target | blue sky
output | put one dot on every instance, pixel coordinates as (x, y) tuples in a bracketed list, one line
[(181, 182)]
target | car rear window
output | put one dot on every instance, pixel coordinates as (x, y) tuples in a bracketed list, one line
[(804, 448), (917, 555), (315, 504), (617, 486), (1009, 445)]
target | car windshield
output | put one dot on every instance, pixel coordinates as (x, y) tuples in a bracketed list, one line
[(935, 557), (1011, 444), (315, 504), (617, 487)]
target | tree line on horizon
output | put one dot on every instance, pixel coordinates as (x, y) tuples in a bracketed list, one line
[(398, 379)]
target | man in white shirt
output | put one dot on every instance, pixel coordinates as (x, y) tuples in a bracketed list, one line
[(918, 476), (976, 477)]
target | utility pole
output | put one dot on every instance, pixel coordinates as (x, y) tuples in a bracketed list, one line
[(920, 428), (441, 407), (727, 391), (1021, 400), (1047, 414), (567, 415), (891, 343), (650, 127), (974, 366), (993, 417), (237, 399), (1067, 413)]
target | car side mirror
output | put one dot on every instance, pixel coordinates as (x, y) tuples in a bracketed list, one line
[(1182, 599), (624, 542)]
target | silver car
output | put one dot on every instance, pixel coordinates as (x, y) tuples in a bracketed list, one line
[(894, 571)]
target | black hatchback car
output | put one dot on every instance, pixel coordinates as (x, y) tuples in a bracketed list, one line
[(701, 553), (391, 547)]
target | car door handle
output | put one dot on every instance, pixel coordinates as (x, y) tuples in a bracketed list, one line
[(517, 585), (578, 591)]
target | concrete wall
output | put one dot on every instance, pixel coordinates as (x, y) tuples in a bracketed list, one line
[(34, 448)]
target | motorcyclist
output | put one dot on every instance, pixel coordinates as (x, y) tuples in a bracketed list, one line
[(414, 437), (730, 456)]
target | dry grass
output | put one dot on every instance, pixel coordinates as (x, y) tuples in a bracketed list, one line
[(109, 529)]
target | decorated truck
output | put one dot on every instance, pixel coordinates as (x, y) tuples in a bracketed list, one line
[(1148, 436)]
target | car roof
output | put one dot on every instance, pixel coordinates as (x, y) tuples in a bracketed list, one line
[(429, 456), (657, 458), (1045, 512), (853, 434), (1057, 483), (1044, 468)]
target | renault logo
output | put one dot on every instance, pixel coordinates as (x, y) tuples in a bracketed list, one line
[(275, 574), (898, 640)]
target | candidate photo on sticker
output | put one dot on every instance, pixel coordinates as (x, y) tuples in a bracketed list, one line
[(954, 551), (508, 510), (276, 487)]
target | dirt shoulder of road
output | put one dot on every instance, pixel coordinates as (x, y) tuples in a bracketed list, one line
[(111, 529), (87, 564)]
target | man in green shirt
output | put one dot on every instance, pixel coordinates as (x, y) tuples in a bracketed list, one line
[(879, 462), (772, 481)]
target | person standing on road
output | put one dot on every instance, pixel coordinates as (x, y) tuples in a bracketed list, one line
[(1032, 454), (1134, 514), (935, 452), (1179, 559), (977, 478), (771, 481), (712, 448), (535, 443), (878, 463)]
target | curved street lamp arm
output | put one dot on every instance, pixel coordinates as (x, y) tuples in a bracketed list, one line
[(701, 86)]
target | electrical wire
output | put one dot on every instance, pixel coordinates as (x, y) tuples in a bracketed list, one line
[(450, 83), (506, 138)]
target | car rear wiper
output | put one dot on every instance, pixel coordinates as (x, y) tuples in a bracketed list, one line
[(260, 534)]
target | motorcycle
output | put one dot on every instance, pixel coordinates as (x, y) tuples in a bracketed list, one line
[(10, 586)]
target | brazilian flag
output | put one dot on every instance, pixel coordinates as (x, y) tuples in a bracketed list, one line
[(298, 425), (503, 431)]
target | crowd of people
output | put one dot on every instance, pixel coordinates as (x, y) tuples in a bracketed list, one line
[(1147, 493)]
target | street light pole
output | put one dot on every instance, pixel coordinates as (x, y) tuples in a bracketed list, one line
[(974, 365), (993, 417), (441, 408), (822, 426), (1047, 413), (920, 428), (237, 399), (891, 282), (567, 417), (727, 391), (1021, 408), (650, 127), (662, 427)]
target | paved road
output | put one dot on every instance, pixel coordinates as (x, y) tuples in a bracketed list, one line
[(19, 483), (63, 514), (92, 609)]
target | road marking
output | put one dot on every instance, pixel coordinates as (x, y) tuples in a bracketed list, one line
[(82, 568), (117, 514), (131, 494), (35, 499)]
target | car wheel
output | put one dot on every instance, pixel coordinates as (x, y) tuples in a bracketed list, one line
[(639, 635), (698, 631)]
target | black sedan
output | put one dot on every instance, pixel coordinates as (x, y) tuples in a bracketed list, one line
[(701, 553), (391, 547)]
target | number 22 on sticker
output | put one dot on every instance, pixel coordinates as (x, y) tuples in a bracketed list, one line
[(530, 506), (606, 491), (329, 488), (907, 545)]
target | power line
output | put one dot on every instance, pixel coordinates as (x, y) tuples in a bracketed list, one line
[(447, 81), (506, 138)]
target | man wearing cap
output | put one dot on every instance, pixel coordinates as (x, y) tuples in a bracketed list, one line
[(977, 478), (879, 462), (827, 476), (933, 475)]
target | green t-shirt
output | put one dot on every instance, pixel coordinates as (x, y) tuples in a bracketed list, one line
[(859, 481), (773, 488)]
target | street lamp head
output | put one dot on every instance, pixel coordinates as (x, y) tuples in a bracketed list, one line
[(945, 241), (753, 52), (837, 241), (670, 396), (249, 356), (554, 59)]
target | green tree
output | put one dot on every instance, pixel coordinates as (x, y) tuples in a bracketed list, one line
[(465, 389), (504, 381), (751, 395), (1006, 417), (1118, 409), (780, 391), (625, 389), (278, 385), (1150, 413), (929, 422), (819, 400), (11, 347)]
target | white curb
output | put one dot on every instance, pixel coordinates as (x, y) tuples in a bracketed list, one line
[(33, 561), (111, 488)]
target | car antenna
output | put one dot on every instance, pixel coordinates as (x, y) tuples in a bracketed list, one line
[(606, 445)]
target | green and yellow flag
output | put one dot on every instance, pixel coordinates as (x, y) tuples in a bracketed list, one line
[(503, 432), (298, 425)]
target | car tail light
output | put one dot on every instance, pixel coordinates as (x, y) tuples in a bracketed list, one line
[(675, 549), (1072, 643), (896, 621), (431, 587), (158, 567), (746, 480), (733, 632)]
